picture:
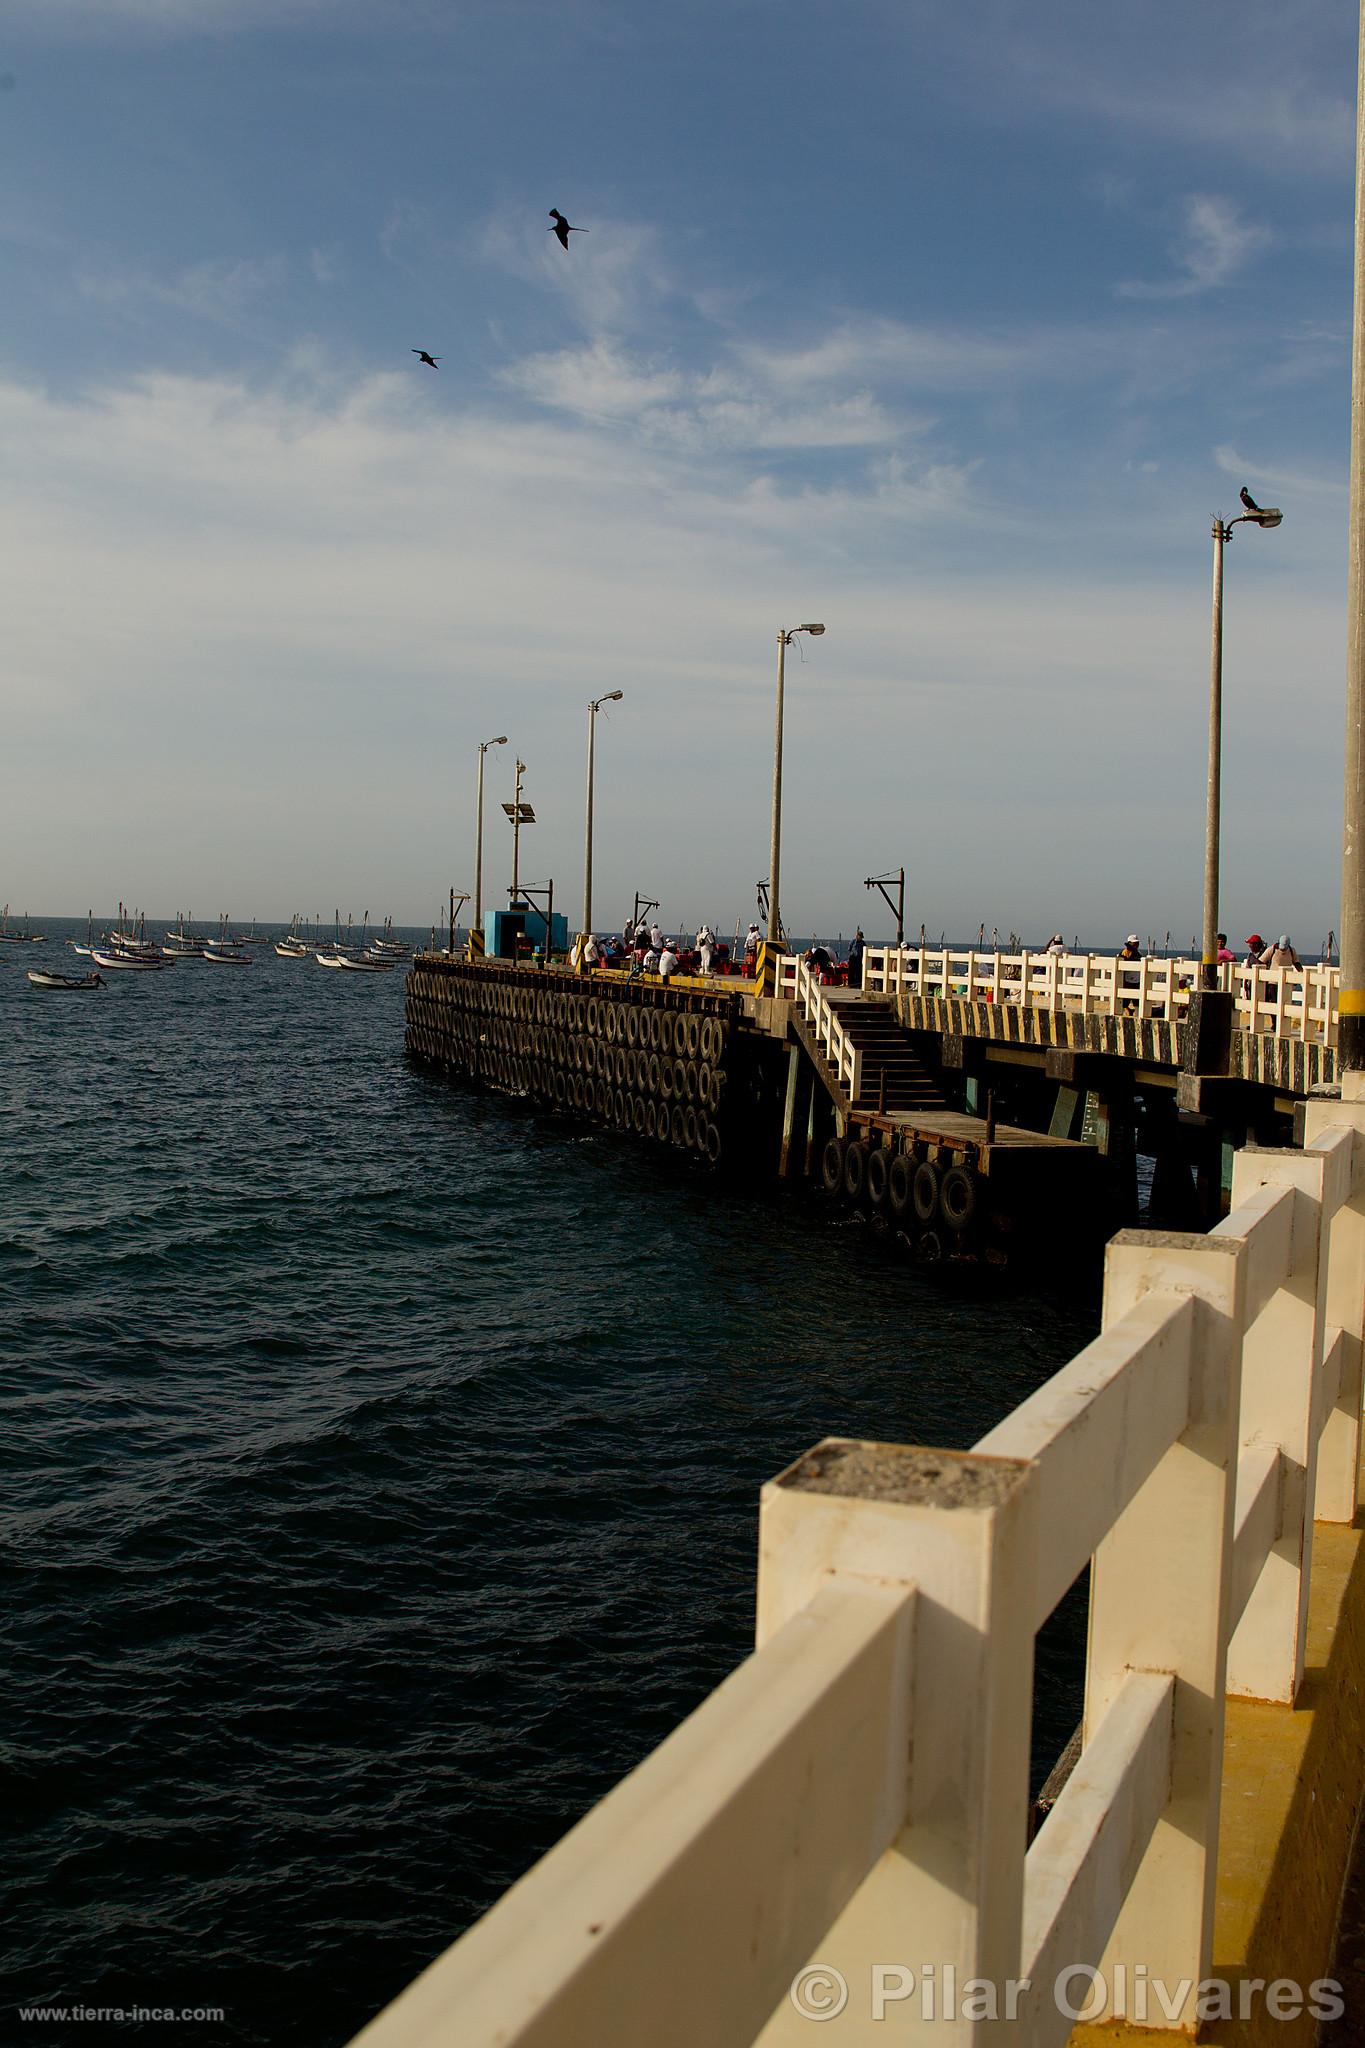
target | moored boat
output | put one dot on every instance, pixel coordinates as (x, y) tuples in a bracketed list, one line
[(38, 979), (133, 963)]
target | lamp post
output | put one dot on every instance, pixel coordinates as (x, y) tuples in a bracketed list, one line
[(484, 745), (612, 697), (774, 912), (1255, 515)]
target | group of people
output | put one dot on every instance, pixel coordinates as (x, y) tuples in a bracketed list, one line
[(645, 948), (1258, 953)]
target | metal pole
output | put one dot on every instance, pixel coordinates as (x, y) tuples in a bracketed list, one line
[(1351, 1014), (900, 913), (774, 859), (1208, 977), (478, 852), (587, 843), (516, 838)]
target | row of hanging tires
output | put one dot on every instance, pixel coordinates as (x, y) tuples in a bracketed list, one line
[(915, 1193), (654, 1071)]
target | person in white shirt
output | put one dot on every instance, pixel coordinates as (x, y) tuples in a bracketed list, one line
[(650, 963), (592, 952), (706, 947), (1056, 944), (668, 959), (656, 937)]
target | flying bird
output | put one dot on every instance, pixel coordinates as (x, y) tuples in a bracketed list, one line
[(434, 361), (561, 228), (1249, 501)]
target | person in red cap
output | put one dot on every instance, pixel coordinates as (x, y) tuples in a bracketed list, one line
[(1255, 951)]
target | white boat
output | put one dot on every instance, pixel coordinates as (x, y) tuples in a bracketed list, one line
[(223, 955), (66, 981), (366, 964), (331, 960), (133, 963)]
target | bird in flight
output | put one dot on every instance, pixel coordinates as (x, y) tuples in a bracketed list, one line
[(434, 361), (561, 228), (1249, 501)]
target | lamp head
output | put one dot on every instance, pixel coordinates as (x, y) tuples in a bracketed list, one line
[(613, 696), (1269, 516), (814, 631)]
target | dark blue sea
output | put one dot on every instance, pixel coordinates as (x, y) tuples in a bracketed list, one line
[(381, 1470)]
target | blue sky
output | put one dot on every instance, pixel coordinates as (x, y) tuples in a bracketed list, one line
[(950, 325)]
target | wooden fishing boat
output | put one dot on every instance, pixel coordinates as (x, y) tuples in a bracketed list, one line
[(224, 955), (132, 963), (38, 979)]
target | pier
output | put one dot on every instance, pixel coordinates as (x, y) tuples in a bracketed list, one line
[(985, 1105)]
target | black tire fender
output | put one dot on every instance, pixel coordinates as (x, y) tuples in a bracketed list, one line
[(924, 1192), (958, 1197), (878, 1173), (855, 1170), (832, 1167)]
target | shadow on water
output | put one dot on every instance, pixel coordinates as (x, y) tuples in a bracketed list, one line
[(382, 1479)]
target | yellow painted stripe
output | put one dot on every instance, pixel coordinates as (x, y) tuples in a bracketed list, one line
[(1351, 1003)]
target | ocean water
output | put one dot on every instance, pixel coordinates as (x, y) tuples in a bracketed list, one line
[(380, 1479)]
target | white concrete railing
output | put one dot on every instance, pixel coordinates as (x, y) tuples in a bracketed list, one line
[(823, 1017), (1297, 1002), (850, 1805), (1292, 1002)]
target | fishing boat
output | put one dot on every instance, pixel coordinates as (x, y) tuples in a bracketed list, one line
[(38, 979), (226, 949), (183, 943), (132, 963), (23, 938), (365, 964), (292, 946), (330, 959)]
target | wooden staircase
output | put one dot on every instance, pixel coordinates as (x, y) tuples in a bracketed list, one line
[(894, 1078)]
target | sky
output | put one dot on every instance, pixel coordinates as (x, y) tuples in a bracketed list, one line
[(950, 326)]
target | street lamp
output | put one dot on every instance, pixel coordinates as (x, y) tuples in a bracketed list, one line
[(612, 697), (484, 745), (1255, 515), (774, 913)]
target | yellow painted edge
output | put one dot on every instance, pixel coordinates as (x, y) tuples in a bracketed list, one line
[(1293, 1784), (1351, 1002)]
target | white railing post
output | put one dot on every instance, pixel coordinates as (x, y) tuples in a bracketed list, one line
[(1282, 1355), (1159, 1600), (1336, 1497), (950, 1889)]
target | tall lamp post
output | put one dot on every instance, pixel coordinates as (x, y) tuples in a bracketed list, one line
[(1255, 515), (484, 745), (612, 697), (774, 912)]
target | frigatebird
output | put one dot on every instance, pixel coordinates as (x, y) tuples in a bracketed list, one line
[(1249, 501), (434, 361), (561, 228)]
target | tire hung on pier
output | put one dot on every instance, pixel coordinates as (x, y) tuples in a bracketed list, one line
[(924, 1192), (958, 1198), (878, 1173), (832, 1167)]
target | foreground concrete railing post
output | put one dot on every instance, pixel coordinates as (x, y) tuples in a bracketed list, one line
[(1281, 1370), (949, 1891), (1335, 1126), (1159, 1603)]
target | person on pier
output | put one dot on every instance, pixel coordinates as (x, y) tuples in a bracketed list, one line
[(1255, 951), (752, 941), (592, 953), (706, 948), (1282, 954), (668, 960), (854, 962)]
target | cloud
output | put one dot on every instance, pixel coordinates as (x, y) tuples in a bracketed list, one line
[(319, 590), (1213, 246), (1295, 482), (725, 407), (218, 289)]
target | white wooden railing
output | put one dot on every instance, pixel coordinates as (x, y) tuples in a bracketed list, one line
[(823, 1017), (853, 1798), (1292, 1002)]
